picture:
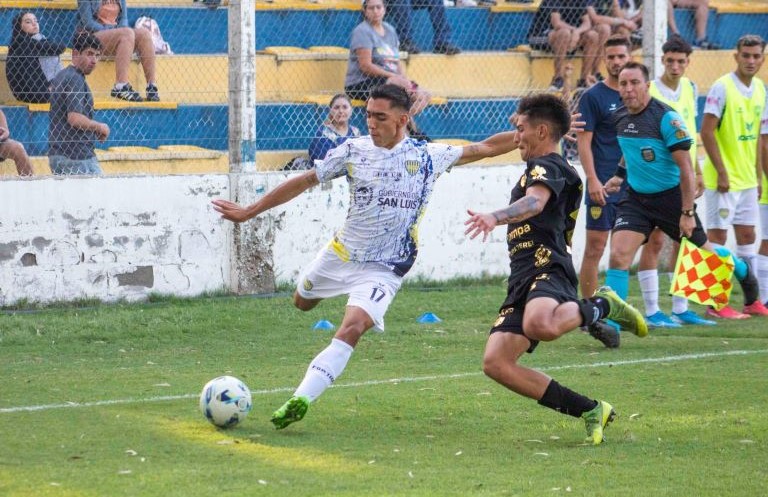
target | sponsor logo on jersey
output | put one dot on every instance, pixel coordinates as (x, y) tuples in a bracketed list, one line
[(519, 231), (363, 196)]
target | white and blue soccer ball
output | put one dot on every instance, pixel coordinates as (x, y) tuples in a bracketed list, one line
[(225, 401)]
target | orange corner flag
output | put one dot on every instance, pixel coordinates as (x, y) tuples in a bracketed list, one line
[(702, 276)]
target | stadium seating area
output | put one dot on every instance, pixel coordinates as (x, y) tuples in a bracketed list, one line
[(299, 69)]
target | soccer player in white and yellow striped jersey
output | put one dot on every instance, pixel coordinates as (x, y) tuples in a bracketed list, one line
[(390, 177)]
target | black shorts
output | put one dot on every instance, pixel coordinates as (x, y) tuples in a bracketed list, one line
[(641, 213), (554, 284), (361, 90)]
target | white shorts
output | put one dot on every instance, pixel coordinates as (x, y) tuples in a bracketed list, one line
[(727, 209), (764, 221), (370, 285)]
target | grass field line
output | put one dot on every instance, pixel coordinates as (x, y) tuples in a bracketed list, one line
[(164, 398)]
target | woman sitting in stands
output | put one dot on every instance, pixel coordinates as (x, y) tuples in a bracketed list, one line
[(32, 62), (374, 58), (108, 21), (335, 130)]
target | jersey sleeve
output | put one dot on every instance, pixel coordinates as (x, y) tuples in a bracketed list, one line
[(335, 163), (764, 118), (674, 133), (715, 100), (545, 171), (444, 156), (589, 111)]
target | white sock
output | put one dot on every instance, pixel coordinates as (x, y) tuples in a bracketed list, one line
[(324, 369), (679, 304), (120, 86), (762, 276), (649, 286), (749, 254)]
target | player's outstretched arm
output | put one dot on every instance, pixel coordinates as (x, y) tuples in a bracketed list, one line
[(281, 194), (498, 144), (536, 197)]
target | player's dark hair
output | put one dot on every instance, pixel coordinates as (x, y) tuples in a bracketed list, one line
[(617, 41), (750, 41), (548, 108), (677, 44), (396, 95), (84, 40), (638, 65)]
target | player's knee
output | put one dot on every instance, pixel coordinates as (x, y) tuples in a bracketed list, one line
[(492, 366), (543, 330), (303, 304)]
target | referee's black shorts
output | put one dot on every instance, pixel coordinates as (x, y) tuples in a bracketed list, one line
[(641, 213)]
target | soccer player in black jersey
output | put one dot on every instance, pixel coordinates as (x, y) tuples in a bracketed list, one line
[(542, 302)]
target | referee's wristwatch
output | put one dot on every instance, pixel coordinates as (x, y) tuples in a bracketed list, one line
[(688, 212)]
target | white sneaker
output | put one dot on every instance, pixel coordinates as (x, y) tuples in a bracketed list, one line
[(466, 3), (448, 3)]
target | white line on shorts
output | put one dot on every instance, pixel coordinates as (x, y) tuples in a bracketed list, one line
[(164, 398)]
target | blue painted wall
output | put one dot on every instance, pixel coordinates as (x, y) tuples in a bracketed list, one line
[(203, 31)]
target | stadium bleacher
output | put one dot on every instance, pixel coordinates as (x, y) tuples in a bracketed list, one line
[(299, 69)]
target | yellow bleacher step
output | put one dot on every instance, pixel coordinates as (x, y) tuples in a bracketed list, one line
[(307, 5), (742, 7), (324, 100), (39, 4), (111, 105), (186, 159), (515, 7)]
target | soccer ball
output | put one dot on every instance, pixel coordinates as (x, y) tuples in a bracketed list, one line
[(225, 401)]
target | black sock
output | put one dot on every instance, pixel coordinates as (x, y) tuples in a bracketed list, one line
[(565, 400), (593, 309)]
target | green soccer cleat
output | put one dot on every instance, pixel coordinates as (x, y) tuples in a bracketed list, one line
[(596, 420), (290, 412), (623, 314)]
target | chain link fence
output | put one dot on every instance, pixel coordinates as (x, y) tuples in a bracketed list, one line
[(474, 58)]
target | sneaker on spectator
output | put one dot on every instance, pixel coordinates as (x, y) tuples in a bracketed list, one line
[(556, 84), (704, 44), (447, 49), (409, 46), (448, 3), (126, 93), (152, 94), (756, 308), (727, 312), (466, 3)]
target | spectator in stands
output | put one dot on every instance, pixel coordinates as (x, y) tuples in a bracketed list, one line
[(562, 27), (72, 128), (108, 21), (335, 130), (32, 61), (374, 59), (624, 17), (11, 149), (700, 16), (400, 13)]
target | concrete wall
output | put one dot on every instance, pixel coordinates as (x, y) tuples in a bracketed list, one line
[(126, 237), (111, 238)]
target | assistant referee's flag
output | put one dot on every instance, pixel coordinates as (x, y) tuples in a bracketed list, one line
[(702, 276)]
